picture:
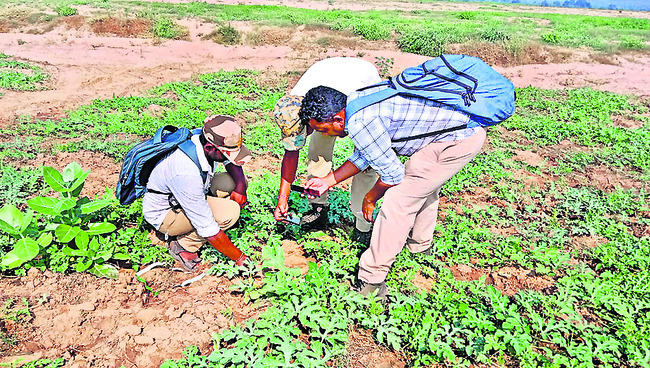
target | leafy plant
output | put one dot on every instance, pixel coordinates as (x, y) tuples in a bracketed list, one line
[(167, 28), (424, 42), (67, 226), (631, 42), (18, 184), (19, 76), (384, 66), (466, 15), (65, 10), (494, 34), (227, 35), (371, 30)]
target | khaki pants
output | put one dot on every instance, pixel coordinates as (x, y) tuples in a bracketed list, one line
[(408, 214), (319, 164), (224, 210)]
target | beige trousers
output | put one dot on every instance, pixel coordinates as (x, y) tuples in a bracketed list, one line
[(319, 164), (410, 209), (224, 210)]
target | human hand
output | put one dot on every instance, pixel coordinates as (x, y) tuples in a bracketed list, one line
[(367, 208), (239, 198), (319, 186), (281, 209)]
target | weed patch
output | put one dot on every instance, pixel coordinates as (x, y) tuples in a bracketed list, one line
[(65, 10), (226, 35), (20, 76), (167, 28)]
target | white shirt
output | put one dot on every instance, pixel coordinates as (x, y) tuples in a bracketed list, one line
[(344, 74), (178, 174)]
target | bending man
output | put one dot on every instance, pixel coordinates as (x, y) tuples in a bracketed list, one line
[(344, 75), (409, 211)]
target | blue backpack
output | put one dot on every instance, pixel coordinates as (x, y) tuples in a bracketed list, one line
[(463, 82), (141, 159)]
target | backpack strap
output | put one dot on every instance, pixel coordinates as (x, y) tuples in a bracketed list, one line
[(370, 99), (189, 148), (157, 138), (429, 134)]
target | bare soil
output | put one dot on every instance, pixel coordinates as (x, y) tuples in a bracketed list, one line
[(85, 66), (109, 323)]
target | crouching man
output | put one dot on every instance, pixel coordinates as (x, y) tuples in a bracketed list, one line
[(190, 211)]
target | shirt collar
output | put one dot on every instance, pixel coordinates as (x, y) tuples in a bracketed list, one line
[(205, 166)]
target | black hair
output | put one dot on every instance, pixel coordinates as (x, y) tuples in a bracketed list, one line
[(202, 138), (321, 104)]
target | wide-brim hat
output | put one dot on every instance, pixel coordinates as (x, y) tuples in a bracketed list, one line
[(225, 134)]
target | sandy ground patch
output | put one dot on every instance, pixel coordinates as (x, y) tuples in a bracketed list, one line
[(85, 67)]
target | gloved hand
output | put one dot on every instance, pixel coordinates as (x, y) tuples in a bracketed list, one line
[(222, 243)]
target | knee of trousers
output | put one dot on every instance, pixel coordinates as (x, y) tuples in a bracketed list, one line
[(222, 184), (229, 216)]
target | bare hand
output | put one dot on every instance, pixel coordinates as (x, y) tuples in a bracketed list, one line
[(368, 207), (281, 209), (317, 185)]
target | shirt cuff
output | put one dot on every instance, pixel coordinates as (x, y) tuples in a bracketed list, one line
[(393, 177), (208, 231), (359, 161)]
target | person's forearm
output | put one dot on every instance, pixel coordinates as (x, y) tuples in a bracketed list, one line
[(378, 191), (222, 243), (347, 170), (288, 171), (237, 175)]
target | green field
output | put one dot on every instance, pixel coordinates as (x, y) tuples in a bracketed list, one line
[(530, 203)]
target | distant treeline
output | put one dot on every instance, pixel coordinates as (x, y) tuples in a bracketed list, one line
[(600, 4)]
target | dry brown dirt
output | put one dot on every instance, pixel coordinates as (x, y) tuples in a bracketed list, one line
[(109, 323), (85, 66)]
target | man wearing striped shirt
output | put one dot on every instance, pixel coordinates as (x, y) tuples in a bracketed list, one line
[(381, 132)]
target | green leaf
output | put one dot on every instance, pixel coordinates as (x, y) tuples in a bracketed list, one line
[(83, 265), (105, 254), (81, 240), (71, 172), (44, 205), (45, 240), (8, 228), (94, 245), (78, 184), (26, 221), (64, 204), (10, 219), (100, 228), (121, 256), (10, 260), (26, 249), (94, 206), (65, 233), (104, 270), (54, 179)]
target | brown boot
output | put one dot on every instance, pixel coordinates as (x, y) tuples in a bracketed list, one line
[(189, 261)]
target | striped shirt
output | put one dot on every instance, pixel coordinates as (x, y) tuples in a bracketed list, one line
[(374, 128)]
